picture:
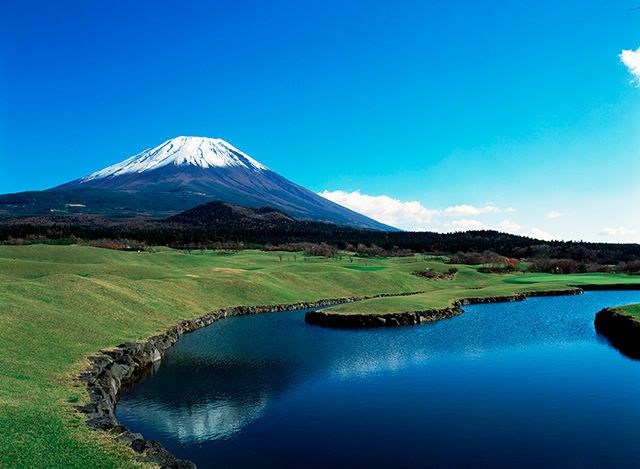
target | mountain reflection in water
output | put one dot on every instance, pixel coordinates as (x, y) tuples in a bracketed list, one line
[(503, 385)]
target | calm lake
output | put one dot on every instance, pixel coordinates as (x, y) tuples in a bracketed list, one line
[(526, 384)]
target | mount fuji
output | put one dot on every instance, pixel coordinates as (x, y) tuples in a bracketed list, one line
[(187, 171)]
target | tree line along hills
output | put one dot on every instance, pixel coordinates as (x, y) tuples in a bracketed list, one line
[(227, 227)]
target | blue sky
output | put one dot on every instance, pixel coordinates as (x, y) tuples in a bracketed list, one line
[(517, 116)]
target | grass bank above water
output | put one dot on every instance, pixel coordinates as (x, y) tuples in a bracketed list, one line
[(59, 304), (632, 311)]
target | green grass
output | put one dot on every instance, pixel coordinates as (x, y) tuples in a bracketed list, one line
[(362, 268), (629, 310), (59, 304), (469, 283)]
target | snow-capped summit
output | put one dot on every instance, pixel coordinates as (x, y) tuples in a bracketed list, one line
[(187, 171), (180, 151)]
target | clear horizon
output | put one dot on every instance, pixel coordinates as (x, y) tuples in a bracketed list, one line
[(424, 115)]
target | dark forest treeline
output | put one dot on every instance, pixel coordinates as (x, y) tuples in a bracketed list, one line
[(283, 235)]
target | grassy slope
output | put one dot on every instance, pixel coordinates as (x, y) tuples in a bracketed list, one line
[(629, 310), (59, 304)]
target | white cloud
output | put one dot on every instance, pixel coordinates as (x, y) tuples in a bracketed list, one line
[(620, 231), (553, 214), (412, 215), (510, 209), (464, 224), (383, 208), (509, 226), (468, 210), (539, 234), (408, 214), (631, 58)]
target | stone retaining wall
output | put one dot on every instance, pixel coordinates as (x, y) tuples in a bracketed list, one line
[(112, 369)]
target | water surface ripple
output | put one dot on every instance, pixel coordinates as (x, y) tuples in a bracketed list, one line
[(526, 384)]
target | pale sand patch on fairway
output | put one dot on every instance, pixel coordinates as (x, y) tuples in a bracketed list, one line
[(9, 403), (194, 276), (228, 270)]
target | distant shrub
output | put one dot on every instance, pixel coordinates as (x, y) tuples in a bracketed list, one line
[(560, 266), (118, 244), (494, 270), (629, 267), (431, 274), (596, 267), (399, 252)]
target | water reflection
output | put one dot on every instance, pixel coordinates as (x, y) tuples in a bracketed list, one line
[(241, 391)]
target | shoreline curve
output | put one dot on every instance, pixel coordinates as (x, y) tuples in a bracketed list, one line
[(111, 370)]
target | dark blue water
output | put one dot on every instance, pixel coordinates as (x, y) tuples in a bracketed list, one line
[(527, 384)]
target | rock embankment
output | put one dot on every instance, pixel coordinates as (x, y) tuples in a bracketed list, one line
[(622, 330), (357, 321), (407, 318), (112, 369)]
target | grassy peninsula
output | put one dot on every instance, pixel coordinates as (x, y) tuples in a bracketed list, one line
[(632, 311), (60, 304)]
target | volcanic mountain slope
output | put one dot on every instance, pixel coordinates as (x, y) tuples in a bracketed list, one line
[(186, 171)]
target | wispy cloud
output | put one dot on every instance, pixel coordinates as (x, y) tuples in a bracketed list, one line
[(510, 209), (469, 210), (553, 214), (631, 58), (509, 226), (620, 231), (464, 224), (539, 234)]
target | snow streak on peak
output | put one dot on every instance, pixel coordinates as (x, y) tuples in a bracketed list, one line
[(182, 151)]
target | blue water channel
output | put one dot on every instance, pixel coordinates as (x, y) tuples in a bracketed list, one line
[(526, 384)]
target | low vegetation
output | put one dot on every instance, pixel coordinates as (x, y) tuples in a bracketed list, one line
[(432, 274), (60, 304), (274, 231)]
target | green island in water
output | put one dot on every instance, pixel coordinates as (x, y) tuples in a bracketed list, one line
[(61, 304)]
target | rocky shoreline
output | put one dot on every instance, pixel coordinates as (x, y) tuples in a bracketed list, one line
[(408, 318), (622, 330), (111, 370)]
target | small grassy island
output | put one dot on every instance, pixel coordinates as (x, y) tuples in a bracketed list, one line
[(443, 299), (61, 304)]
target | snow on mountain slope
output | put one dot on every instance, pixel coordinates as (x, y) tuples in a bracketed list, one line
[(187, 171), (181, 151)]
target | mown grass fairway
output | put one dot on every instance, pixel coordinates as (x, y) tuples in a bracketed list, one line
[(59, 304), (470, 283)]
